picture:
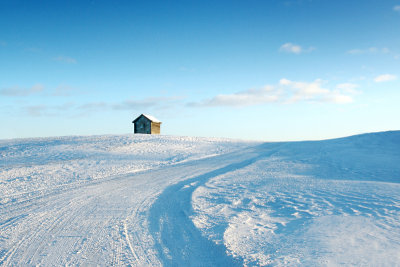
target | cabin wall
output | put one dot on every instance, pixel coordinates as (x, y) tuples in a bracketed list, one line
[(143, 126), (155, 128)]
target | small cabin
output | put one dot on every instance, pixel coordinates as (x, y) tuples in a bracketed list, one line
[(146, 124)]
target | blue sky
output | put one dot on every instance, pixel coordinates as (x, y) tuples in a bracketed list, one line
[(266, 70)]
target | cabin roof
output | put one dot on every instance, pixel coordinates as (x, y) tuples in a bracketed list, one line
[(149, 117)]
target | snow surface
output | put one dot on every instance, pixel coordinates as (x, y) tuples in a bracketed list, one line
[(185, 201), (152, 118)]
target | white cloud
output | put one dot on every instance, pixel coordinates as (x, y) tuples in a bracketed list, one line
[(385, 78), (304, 90), (347, 86), (315, 92), (291, 48), (337, 98), (286, 91), (295, 49), (65, 59), (396, 8), (17, 91)]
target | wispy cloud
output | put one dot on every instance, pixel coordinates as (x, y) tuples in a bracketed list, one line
[(370, 50), (250, 97), (286, 91), (158, 103), (65, 59), (349, 88), (374, 51), (314, 92), (36, 110), (396, 8), (294, 49), (47, 110), (143, 103), (3, 43), (19, 92), (385, 78), (34, 50), (337, 98), (63, 90), (304, 90), (94, 106)]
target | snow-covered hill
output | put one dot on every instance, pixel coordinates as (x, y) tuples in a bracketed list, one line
[(164, 200), (32, 165)]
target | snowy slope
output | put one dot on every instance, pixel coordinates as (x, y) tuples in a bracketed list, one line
[(28, 165), (163, 200), (334, 202)]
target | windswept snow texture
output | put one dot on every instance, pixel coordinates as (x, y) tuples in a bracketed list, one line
[(325, 203), (30, 165), (147, 200)]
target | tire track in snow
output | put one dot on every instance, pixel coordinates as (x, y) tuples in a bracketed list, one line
[(129, 241), (43, 221), (131, 229), (41, 226), (93, 223), (178, 241)]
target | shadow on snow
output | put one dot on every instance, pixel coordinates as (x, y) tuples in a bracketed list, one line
[(177, 240)]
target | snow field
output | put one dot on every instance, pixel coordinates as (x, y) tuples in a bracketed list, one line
[(49, 216), (143, 200), (32, 165)]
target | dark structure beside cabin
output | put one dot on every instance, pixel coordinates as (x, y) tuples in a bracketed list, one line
[(146, 124)]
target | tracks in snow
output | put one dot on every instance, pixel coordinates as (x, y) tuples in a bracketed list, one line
[(178, 241), (107, 222)]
